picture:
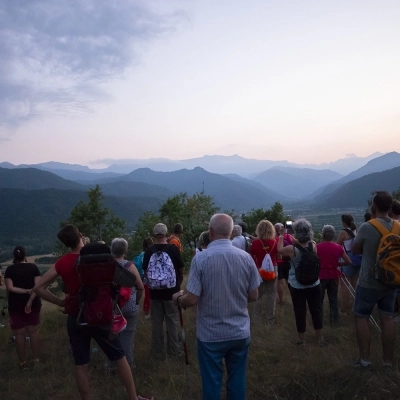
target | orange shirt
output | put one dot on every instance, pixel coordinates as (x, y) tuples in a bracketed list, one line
[(176, 242)]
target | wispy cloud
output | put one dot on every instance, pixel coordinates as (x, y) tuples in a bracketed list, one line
[(54, 54)]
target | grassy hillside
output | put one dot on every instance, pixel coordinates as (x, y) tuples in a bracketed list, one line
[(277, 368)]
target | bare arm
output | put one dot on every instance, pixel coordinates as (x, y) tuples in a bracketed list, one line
[(343, 235), (41, 287), (185, 300), (13, 289), (356, 248), (252, 295), (139, 283), (286, 251), (28, 305), (346, 259)]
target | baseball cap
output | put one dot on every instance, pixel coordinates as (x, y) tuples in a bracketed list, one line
[(160, 229)]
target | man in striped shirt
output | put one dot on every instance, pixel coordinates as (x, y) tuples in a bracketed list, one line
[(222, 281)]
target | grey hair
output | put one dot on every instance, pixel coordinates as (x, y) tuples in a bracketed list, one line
[(303, 230), (328, 233), (119, 247), (222, 225), (204, 239), (237, 230)]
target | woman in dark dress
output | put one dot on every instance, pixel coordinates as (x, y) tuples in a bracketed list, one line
[(23, 305)]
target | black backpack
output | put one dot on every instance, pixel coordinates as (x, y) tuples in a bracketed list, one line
[(307, 271)]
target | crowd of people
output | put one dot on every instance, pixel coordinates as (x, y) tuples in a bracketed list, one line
[(224, 277)]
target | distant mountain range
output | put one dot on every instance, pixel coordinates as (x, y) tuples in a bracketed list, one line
[(35, 200), (357, 192), (235, 164), (383, 163), (296, 183)]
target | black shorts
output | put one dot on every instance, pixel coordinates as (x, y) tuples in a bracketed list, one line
[(80, 336), (283, 270)]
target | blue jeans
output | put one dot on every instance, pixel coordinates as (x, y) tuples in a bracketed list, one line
[(210, 355)]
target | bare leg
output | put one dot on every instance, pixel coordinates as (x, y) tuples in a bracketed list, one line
[(82, 380), (126, 377), (363, 338), (20, 344), (388, 338), (33, 332), (280, 290)]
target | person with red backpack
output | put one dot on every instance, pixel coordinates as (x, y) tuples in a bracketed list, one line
[(130, 309), (80, 336), (370, 291)]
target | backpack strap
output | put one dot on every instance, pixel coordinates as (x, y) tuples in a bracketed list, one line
[(379, 226), (350, 232), (264, 247), (301, 248)]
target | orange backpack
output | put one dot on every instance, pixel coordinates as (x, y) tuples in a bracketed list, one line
[(387, 267)]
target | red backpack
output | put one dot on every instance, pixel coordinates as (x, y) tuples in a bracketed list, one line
[(101, 280)]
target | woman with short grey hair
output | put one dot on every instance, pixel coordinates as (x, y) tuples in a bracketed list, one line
[(329, 254), (303, 294), (119, 249)]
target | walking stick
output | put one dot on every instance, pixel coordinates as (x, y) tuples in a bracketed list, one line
[(350, 288), (182, 337)]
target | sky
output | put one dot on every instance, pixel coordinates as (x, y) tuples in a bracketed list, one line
[(92, 81)]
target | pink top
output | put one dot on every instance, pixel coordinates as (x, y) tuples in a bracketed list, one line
[(329, 254)]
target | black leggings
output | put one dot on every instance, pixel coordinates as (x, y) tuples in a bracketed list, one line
[(300, 298)]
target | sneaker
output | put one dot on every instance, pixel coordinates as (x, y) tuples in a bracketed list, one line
[(387, 366), (145, 398), (363, 365), (147, 316)]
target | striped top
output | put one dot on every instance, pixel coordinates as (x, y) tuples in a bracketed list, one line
[(222, 278)]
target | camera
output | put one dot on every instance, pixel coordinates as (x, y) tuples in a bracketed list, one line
[(288, 224)]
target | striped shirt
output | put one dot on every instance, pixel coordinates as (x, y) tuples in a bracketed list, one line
[(222, 278)]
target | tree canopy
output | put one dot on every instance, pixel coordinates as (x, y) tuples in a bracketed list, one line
[(274, 215), (94, 220)]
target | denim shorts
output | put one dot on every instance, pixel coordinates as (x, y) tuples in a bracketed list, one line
[(349, 270), (365, 300), (80, 336)]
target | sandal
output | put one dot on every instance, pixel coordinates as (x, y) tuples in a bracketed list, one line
[(23, 366)]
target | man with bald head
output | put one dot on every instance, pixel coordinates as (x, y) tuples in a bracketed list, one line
[(222, 281)]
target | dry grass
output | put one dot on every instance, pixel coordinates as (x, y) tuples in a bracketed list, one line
[(277, 368)]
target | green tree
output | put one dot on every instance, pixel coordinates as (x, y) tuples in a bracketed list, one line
[(94, 220), (274, 215), (193, 212)]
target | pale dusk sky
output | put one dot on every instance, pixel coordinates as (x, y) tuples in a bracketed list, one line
[(307, 81)]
